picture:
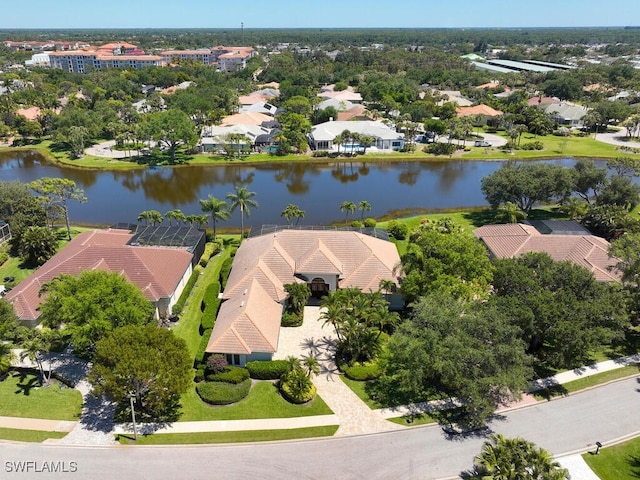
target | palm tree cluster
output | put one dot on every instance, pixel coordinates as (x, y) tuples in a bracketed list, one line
[(214, 208), (292, 212), (348, 208), (359, 320), (352, 138), (504, 458), (296, 384)]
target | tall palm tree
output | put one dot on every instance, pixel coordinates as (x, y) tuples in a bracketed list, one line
[(363, 206), (292, 211), (176, 215), (510, 213), (150, 217), (219, 210), (242, 198), (348, 208)]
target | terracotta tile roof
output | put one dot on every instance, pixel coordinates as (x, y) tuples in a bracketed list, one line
[(275, 260), (478, 110), (246, 118), (155, 270), (31, 113), (247, 323), (358, 112), (588, 251)]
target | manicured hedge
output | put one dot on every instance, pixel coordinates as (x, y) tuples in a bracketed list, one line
[(304, 397), (212, 303), (362, 372), (230, 374), (220, 393), (203, 345), (210, 249), (267, 370), (291, 319), (177, 308), (370, 222), (225, 269)]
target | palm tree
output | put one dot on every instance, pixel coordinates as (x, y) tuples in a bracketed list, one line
[(338, 140), (218, 209), (366, 141), (242, 198), (348, 208), (513, 458), (310, 366), (510, 213), (33, 346), (574, 208), (292, 211), (176, 215), (150, 217), (363, 206), (6, 356)]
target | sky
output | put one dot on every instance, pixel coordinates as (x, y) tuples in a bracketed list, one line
[(49, 14)]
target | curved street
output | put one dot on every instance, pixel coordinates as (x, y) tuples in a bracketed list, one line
[(562, 426)]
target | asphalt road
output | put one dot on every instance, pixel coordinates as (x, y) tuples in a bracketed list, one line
[(561, 426)]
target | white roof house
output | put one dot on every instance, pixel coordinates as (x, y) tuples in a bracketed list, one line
[(339, 105), (567, 114), (323, 134), (213, 137)]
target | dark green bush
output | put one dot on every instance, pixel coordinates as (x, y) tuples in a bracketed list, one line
[(290, 395), (320, 153), (177, 308), (537, 145), (203, 345), (212, 303), (230, 374), (357, 224), (199, 375), (370, 222), (221, 393), (440, 148), (362, 372), (267, 370), (398, 230), (290, 319), (4, 256), (210, 249), (225, 269)]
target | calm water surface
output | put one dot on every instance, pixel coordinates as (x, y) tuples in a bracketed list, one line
[(119, 196)]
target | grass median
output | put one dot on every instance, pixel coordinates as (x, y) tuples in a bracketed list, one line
[(34, 436), (228, 437), (619, 462)]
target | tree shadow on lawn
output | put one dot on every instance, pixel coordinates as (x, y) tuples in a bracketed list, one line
[(478, 218), (27, 383), (634, 464), (629, 345)]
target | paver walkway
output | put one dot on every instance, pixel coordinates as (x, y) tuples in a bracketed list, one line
[(314, 339), (578, 468)]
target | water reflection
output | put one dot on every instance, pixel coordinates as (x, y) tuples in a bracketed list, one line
[(318, 189)]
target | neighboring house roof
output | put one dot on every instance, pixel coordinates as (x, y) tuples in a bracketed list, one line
[(539, 100), (31, 113), (248, 322), (215, 134), (358, 112), (329, 130), (246, 118), (275, 259), (157, 271), (453, 96), (472, 56), (481, 109), (491, 84), (566, 111), (339, 105), (342, 95), (588, 251), (260, 107)]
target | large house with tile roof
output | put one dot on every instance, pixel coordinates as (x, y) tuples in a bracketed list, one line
[(159, 272), (579, 247), (248, 323)]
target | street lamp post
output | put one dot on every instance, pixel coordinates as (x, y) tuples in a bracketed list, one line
[(131, 397)]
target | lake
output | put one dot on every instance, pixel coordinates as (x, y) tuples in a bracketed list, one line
[(318, 189)]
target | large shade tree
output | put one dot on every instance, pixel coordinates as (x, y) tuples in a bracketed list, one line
[(148, 362), (55, 193), (92, 304)]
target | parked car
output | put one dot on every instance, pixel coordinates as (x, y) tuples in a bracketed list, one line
[(481, 143)]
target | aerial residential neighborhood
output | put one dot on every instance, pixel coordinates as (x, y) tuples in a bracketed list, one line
[(344, 252)]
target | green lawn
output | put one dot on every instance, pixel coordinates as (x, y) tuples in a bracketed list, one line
[(263, 401), (414, 420), (188, 327), (582, 383), (359, 388), (229, 437), (35, 436), (22, 396), (620, 462)]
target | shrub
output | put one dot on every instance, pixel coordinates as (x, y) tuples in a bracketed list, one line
[(398, 230), (4, 256), (360, 372), (290, 319), (199, 375), (225, 269), (221, 393), (440, 148), (357, 224), (267, 370), (203, 345), (292, 394), (537, 145), (210, 249), (370, 222), (320, 153), (212, 303), (216, 363), (230, 375), (179, 305)]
